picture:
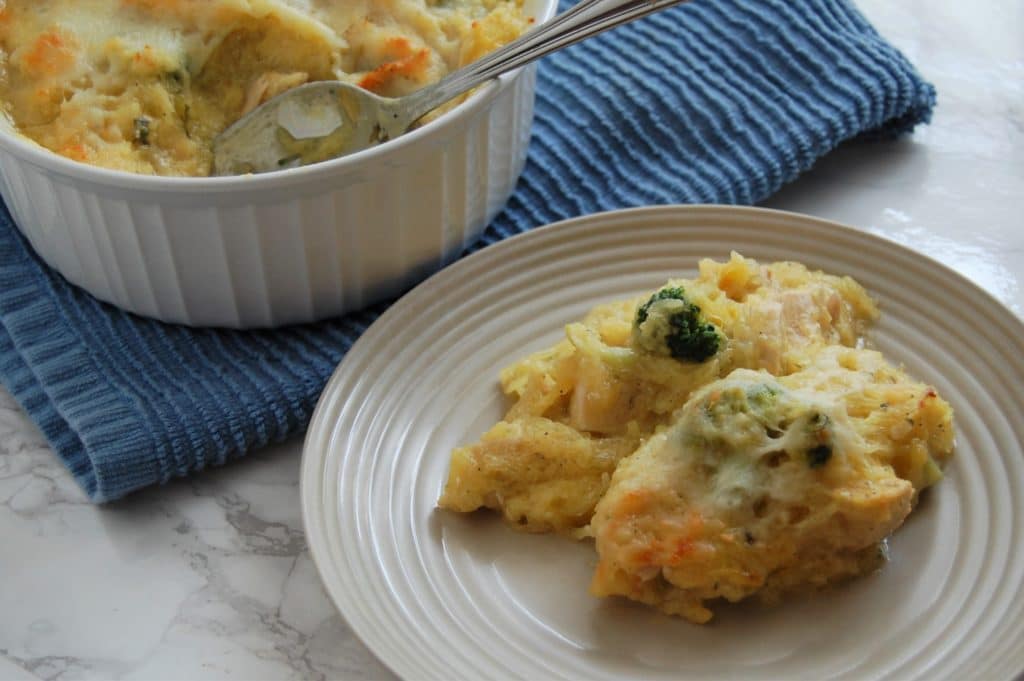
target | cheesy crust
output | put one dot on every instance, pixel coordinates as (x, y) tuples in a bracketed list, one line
[(609, 396), (145, 85), (766, 485)]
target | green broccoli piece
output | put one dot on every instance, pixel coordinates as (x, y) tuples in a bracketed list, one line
[(141, 126), (669, 324), (818, 456), (763, 395)]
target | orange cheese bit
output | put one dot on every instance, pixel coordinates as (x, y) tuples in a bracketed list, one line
[(412, 67), (75, 151), (51, 54)]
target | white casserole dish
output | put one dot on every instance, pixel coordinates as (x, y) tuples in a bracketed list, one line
[(285, 247)]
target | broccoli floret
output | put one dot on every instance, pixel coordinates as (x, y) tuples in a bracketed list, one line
[(818, 456), (141, 126), (669, 324), (763, 395)]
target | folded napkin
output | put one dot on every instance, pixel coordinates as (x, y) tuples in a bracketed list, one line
[(718, 101)]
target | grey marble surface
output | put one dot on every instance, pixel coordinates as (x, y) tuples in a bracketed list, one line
[(211, 577), (202, 578)]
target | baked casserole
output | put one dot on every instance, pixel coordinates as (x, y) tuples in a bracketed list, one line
[(145, 85)]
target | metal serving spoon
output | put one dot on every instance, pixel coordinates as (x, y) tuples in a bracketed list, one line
[(327, 119)]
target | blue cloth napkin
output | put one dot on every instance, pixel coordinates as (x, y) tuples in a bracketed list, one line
[(718, 101)]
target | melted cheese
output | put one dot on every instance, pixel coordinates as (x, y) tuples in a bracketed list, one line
[(780, 463), (144, 85), (612, 395), (764, 485)]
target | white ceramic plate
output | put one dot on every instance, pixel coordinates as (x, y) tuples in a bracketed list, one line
[(437, 595)]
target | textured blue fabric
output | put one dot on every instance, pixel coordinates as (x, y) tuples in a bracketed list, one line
[(711, 102)]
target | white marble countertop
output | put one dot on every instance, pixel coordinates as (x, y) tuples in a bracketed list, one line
[(211, 577)]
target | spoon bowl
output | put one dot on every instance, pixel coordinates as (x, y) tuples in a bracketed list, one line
[(308, 124)]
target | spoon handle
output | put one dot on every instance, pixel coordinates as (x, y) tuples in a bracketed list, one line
[(586, 18)]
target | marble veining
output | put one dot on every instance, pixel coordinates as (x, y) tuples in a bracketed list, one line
[(211, 577), (205, 578)]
